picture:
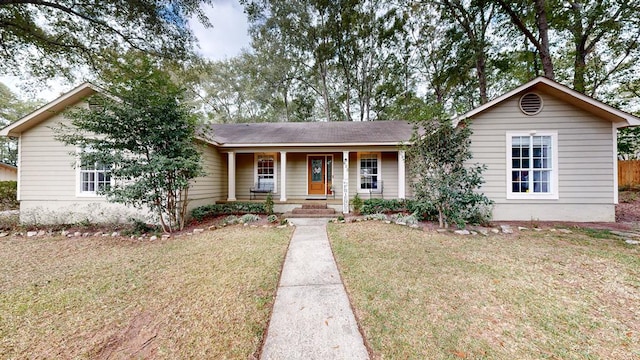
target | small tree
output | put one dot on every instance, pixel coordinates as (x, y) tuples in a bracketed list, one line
[(145, 132), (628, 143), (442, 177)]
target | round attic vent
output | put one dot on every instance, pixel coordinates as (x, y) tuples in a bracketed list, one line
[(531, 103)]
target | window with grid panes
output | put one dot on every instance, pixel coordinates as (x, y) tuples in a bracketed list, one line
[(369, 171), (94, 178), (266, 171), (532, 165)]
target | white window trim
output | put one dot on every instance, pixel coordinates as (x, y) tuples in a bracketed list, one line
[(553, 195), (275, 169), (79, 192), (359, 187)]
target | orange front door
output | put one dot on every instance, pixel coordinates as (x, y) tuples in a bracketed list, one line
[(317, 176)]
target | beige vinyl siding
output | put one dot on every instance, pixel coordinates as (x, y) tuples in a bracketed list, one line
[(390, 174), (338, 170), (220, 166), (354, 182), (408, 186), (244, 175), (585, 158), (213, 186), (296, 175), (46, 166), (48, 183)]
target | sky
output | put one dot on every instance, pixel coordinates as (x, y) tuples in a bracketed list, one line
[(225, 39)]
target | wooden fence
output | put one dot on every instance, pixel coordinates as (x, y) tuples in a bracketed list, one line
[(628, 173)]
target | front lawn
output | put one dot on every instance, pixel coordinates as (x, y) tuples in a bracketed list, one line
[(201, 296), (535, 295)]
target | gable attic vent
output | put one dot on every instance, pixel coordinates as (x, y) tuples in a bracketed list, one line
[(531, 103)]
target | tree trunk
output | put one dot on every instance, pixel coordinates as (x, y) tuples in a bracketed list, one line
[(325, 91), (579, 40), (481, 69), (348, 102), (543, 29), (285, 98), (580, 69)]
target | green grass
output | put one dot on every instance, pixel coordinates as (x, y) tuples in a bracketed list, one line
[(536, 295), (204, 296)]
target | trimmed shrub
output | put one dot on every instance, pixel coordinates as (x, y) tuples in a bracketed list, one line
[(9, 195), (424, 211), (406, 219), (249, 218), (231, 220), (232, 208), (268, 204), (376, 216), (383, 206), (357, 204), (139, 227), (9, 222)]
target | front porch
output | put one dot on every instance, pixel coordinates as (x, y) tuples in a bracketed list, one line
[(299, 176)]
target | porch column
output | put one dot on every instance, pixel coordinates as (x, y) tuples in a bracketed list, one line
[(231, 176), (345, 182), (401, 175), (283, 176)]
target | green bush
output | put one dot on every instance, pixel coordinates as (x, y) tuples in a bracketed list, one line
[(231, 220), (377, 216), (357, 204), (272, 218), (232, 208), (424, 211), (249, 218), (9, 195), (140, 227), (268, 204), (405, 219), (9, 222), (383, 206)]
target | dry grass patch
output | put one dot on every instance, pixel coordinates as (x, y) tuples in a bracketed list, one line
[(536, 295), (204, 296)]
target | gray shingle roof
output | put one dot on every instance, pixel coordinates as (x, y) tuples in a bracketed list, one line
[(368, 132)]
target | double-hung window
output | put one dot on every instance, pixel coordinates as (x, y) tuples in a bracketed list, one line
[(266, 171), (532, 165), (369, 170), (94, 178)]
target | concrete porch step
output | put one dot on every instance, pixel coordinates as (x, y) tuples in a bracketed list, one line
[(324, 211), (314, 206), (292, 215)]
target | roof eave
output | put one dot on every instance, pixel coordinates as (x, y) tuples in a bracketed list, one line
[(208, 141), (289, 145), (9, 166), (48, 110), (616, 116)]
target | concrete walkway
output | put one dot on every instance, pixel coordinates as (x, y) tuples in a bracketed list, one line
[(312, 318)]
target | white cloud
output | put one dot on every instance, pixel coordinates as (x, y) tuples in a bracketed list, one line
[(228, 36)]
